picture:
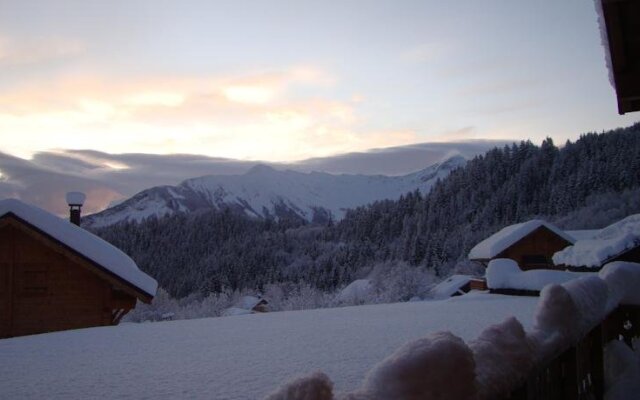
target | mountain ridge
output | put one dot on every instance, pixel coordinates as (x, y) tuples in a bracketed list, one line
[(265, 192)]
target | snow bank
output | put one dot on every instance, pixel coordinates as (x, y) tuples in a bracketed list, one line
[(504, 273), (316, 386), (556, 321), (450, 286), (504, 356), (623, 280), (83, 242), (622, 372), (423, 369), (356, 291), (506, 237), (609, 242), (590, 295)]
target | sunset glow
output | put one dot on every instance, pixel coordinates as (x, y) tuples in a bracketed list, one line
[(281, 88)]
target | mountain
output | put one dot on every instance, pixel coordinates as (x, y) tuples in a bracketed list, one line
[(586, 184), (265, 192)]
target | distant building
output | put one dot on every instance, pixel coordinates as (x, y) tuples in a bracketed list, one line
[(55, 275), (253, 304), (457, 285), (531, 244), (248, 305)]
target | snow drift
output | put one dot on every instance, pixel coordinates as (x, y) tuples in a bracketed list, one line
[(316, 386), (503, 355), (422, 369)]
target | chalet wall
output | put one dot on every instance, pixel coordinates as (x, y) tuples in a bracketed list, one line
[(42, 290), (540, 244)]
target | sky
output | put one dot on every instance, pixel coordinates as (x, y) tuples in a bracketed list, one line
[(288, 81)]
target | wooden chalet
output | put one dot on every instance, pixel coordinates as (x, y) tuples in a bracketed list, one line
[(55, 275), (620, 26), (254, 304), (531, 244)]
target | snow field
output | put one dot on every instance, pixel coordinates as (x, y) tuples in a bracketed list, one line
[(470, 347), (503, 354), (242, 357)]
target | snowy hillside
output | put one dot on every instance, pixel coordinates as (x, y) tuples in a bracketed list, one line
[(266, 192), (233, 358)]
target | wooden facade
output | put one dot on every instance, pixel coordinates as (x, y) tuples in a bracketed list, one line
[(535, 250), (45, 286)]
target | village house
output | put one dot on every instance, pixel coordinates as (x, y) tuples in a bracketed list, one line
[(530, 244), (248, 305), (55, 275)]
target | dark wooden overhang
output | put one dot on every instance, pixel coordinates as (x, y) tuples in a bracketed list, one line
[(84, 261), (622, 19)]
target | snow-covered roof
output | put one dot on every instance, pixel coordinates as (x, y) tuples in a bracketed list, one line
[(508, 236), (355, 291), (450, 286), (83, 242), (609, 242), (583, 234), (249, 302)]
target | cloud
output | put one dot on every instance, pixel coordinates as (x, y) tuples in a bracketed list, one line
[(30, 51), (423, 53), (501, 86), (106, 178), (282, 115)]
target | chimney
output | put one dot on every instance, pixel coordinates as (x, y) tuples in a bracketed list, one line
[(75, 201)]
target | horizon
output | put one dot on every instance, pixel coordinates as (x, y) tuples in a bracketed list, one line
[(90, 91)]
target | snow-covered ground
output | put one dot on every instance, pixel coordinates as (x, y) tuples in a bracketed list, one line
[(240, 357)]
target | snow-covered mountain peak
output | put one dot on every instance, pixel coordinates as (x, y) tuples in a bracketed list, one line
[(260, 169), (265, 192)]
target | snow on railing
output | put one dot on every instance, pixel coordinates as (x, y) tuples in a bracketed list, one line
[(501, 358)]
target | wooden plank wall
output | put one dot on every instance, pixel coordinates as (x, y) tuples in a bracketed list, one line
[(540, 242), (42, 290)]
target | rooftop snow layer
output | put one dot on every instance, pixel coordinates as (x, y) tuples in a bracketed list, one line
[(508, 236), (83, 242), (357, 290), (450, 286), (583, 234), (248, 302), (609, 242)]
